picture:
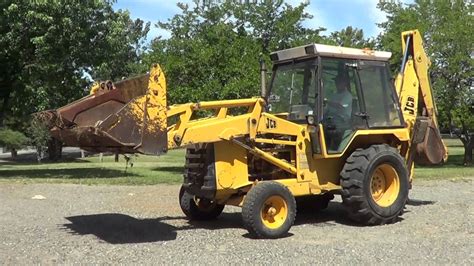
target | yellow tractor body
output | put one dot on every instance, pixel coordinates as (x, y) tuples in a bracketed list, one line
[(331, 122)]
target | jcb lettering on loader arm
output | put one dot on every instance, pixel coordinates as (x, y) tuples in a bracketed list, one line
[(271, 123), (331, 123)]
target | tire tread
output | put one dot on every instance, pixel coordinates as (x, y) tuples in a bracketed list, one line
[(251, 209), (352, 183)]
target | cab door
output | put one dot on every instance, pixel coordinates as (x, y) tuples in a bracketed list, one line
[(342, 109)]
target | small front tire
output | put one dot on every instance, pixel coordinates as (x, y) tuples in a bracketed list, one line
[(269, 210), (198, 209)]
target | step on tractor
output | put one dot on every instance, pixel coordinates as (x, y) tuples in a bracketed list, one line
[(332, 121)]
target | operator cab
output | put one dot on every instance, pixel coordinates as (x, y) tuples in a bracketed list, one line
[(343, 89)]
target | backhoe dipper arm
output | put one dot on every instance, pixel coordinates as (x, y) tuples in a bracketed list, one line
[(417, 103)]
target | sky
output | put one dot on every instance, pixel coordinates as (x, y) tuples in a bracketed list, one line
[(331, 14)]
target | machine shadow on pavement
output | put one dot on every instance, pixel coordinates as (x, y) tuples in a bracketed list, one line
[(332, 215), (416, 202), (116, 228), (92, 172)]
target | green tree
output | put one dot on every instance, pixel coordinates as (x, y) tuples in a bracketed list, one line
[(400, 18), (448, 30), (12, 140), (39, 137), (122, 46), (351, 37), (213, 50), (275, 24), (48, 48), (205, 58)]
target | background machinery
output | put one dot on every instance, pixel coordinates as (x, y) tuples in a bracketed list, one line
[(331, 121)]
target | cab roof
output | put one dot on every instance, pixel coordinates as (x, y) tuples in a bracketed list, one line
[(315, 49)]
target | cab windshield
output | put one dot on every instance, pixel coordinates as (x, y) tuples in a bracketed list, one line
[(293, 90)]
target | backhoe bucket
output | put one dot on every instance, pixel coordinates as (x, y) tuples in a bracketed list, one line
[(431, 151), (125, 117)]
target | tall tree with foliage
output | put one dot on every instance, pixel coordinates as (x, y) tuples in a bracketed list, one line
[(48, 48), (214, 49), (351, 37), (275, 24), (448, 30)]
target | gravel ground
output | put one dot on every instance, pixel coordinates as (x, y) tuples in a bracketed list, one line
[(126, 224)]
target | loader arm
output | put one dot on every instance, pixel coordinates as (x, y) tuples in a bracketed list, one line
[(417, 103), (132, 116), (249, 126)]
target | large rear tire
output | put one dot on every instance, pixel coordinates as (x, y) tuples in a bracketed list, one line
[(269, 210), (375, 185), (198, 209)]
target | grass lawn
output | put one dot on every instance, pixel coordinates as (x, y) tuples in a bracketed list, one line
[(148, 170), (452, 169)]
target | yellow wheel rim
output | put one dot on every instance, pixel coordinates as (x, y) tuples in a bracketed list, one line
[(274, 212), (385, 185)]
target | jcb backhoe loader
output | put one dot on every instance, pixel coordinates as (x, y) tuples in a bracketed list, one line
[(331, 121)]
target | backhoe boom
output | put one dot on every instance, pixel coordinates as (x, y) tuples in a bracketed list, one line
[(417, 102)]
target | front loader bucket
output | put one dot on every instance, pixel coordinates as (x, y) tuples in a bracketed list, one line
[(128, 117)]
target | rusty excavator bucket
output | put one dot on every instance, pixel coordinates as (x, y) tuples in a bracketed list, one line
[(430, 150), (126, 117)]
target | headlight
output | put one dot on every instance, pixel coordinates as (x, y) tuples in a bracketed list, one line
[(310, 119)]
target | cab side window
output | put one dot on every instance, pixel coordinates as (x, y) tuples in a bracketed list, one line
[(380, 101)]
